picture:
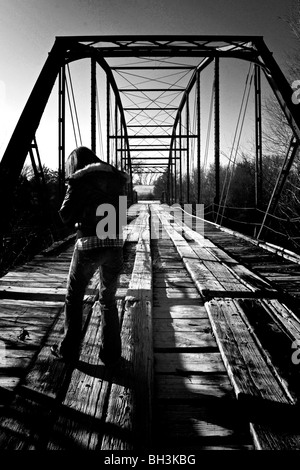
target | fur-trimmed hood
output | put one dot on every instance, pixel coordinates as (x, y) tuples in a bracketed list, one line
[(91, 182), (99, 167), (89, 187)]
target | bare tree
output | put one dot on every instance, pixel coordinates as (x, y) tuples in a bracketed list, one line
[(278, 133)]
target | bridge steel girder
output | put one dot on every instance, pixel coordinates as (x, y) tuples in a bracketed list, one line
[(280, 86), (198, 98), (177, 119), (249, 48), (93, 104), (217, 130), (18, 147)]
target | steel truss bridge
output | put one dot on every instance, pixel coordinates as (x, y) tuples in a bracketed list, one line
[(149, 84), (217, 310)]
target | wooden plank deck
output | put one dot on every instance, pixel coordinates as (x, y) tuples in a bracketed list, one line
[(280, 270), (248, 329), (206, 361), (194, 404)]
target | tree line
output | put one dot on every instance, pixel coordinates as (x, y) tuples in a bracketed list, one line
[(34, 222)]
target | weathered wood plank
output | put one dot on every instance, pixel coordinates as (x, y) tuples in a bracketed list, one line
[(231, 275), (270, 409), (265, 438), (19, 276), (274, 339), (23, 325), (22, 425), (120, 431), (179, 324), (178, 293), (253, 280), (133, 231), (188, 363), (189, 340), (182, 282), (225, 277), (35, 293), (248, 371), (129, 407), (182, 310), (28, 309), (221, 255), (38, 293), (203, 278), (265, 264), (203, 254), (284, 317), (192, 387), (27, 284)]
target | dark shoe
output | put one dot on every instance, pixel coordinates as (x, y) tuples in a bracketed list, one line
[(55, 350), (110, 338), (110, 348), (109, 358)]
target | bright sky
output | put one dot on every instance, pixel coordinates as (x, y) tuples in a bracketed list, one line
[(28, 29)]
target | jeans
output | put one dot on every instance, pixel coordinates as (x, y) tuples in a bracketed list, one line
[(109, 261)]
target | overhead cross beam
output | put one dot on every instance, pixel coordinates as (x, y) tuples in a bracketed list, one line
[(170, 46)]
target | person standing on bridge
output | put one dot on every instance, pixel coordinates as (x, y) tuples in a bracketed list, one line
[(92, 183)]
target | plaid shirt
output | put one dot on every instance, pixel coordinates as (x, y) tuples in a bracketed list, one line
[(90, 243)]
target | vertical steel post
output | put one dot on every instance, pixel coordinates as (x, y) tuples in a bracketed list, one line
[(187, 149), (180, 164), (258, 138), (93, 104), (217, 131), (116, 134), (198, 138), (171, 179), (175, 171), (108, 120), (129, 169), (121, 150), (61, 131), (168, 185)]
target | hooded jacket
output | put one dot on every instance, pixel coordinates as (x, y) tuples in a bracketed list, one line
[(89, 187)]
